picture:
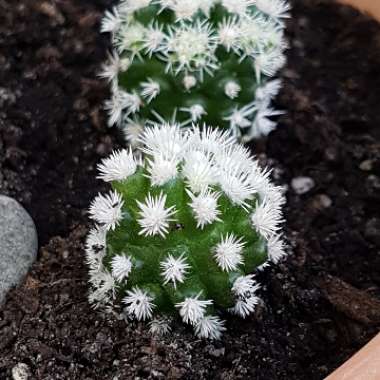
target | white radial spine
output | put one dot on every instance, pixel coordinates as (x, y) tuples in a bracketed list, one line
[(232, 89), (276, 249), (167, 141), (228, 253), (159, 326), (154, 216), (121, 267), (229, 33), (244, 289), (119, 166), (174, 269), (107, 210), (161, 170), (237, 6), (150, 90), (130, 6), (111, 21), (205, 207), (277, 9), (153, 39), (266, 219), (139, 304), (189, 81), (209, 327), (199, 174), (196, 112), (192, 309)]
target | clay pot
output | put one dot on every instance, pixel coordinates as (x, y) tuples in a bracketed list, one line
[(364, 365), (368, 6)]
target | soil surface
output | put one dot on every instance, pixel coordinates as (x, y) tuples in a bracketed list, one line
[(319, 306)]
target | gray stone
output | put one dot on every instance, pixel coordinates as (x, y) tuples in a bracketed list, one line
[(18, 244)]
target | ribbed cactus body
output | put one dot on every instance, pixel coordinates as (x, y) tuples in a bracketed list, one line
[(183, 230), (184, 239), (196, 61)]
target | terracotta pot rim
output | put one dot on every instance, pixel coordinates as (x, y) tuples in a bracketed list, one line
[(372, 7), (364, 365)]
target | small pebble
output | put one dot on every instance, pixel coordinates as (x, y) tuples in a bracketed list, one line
[(366, 165), (302, 185), (20, 372), (321, 201)]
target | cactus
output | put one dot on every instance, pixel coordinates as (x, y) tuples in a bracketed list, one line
[(183, 229), (195, 61)]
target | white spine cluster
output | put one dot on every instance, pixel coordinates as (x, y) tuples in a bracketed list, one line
[(252, 30), (267, 219), (150, 90), (276, 248), (228, 253), (121, 267), (155, 216), (193, 309), (209, 327), (174, 269), (111, 21), (106, 210), (277, 9), (105, 287), (139, 304), (245, 289), (232, 89), (211, 167), (119, 166), (159, 327), (195, 112), (161, 170), (205, 207), (95, 249)]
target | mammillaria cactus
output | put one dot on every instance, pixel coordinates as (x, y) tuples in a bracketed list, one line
[(194, 61), (184, 229)]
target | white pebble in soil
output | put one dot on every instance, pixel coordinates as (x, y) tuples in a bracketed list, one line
[(20, 372), (18, 244), (302, 185)]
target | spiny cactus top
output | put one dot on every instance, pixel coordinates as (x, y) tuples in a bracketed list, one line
[(195, 61), (183, 230)]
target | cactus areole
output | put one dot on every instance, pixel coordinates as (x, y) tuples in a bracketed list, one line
[(203, 61), (183, 230)]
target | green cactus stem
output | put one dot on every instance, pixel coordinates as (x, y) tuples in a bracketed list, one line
[(183, 230)]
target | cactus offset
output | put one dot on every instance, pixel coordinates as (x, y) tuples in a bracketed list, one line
[(183, 231), (206, 61)]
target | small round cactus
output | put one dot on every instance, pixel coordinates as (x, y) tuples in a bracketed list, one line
[(183, 230), (195, 61)]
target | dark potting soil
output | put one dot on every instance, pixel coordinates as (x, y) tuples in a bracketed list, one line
[(319, 306)]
